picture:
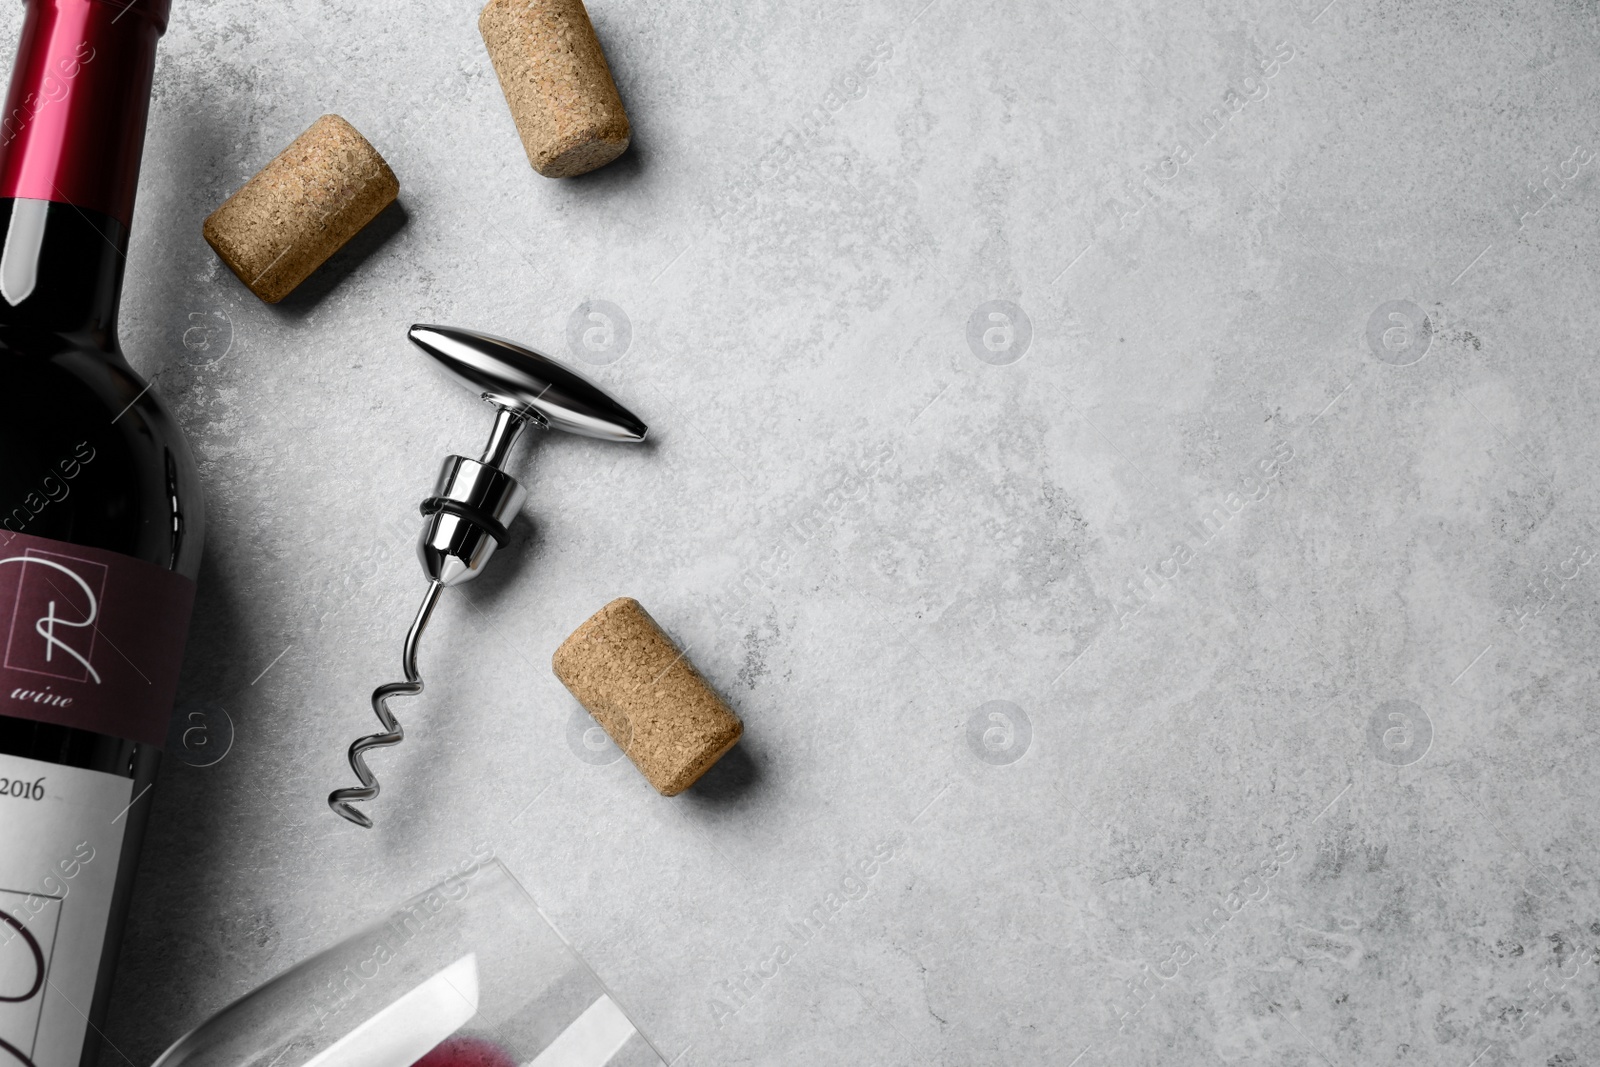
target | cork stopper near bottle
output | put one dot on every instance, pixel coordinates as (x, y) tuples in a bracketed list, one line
[(301, 208), (556, 80), (646, 695)]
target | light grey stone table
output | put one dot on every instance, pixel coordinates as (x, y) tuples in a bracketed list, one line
[(1128, 463)]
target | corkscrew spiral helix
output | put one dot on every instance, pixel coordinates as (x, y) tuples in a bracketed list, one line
[(341, 800), (475, 500)]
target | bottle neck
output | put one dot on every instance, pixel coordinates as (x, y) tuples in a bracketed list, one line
[(70, 142), (61, 270)]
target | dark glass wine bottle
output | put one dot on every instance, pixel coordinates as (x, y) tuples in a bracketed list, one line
[(100, 526)]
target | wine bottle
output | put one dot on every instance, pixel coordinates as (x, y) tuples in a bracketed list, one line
[(100, 526)]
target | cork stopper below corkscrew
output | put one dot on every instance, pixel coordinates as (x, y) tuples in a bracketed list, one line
[(646, 695)]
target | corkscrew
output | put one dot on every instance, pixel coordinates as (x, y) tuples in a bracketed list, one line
[(474, 501)]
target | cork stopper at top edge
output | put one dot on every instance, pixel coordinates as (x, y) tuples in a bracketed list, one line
[(558, 83)]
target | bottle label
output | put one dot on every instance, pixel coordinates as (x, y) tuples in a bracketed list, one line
[(60, 840), (89, 638)]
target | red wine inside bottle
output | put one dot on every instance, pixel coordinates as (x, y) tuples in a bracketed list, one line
[(100, 526)]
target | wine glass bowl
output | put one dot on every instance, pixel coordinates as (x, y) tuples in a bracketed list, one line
[(466, 974)]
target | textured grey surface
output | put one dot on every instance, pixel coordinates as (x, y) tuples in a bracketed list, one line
[(1322, 793)]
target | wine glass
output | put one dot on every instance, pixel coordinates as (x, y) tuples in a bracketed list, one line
[(466, 974)]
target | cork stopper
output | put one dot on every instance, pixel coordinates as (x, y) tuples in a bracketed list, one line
[(555, 78), (301, 208), (646, 695)]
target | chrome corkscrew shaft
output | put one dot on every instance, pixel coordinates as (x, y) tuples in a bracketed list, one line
[(475, 500), (341, 800)]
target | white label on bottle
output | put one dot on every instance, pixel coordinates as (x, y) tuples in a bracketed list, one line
[(60, 838)]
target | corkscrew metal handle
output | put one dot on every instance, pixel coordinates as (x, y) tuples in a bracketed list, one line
[(519, 379), (475, 500)]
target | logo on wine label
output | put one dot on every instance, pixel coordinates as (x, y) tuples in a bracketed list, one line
[(55, 899), (53, 620), (25, 957), (94, 638)]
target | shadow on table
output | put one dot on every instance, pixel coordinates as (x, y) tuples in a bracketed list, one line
[(343, 263), (731, 779)]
